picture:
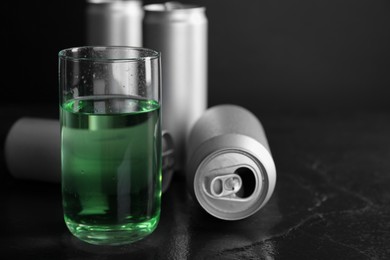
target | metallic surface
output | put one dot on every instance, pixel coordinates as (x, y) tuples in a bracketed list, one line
[(179, 32), (229, 140), (331, 201), (168, 160), (28, 135), (113, 22), (34, 143)]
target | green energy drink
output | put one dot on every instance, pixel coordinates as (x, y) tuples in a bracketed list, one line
[(111, 168)]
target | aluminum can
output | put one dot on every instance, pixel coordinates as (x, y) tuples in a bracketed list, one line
[(33, 151), (179, 32), (114, 22), (230, 171)]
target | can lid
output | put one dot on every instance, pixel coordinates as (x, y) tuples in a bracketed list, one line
[(230, 184), (109, 1), (235, 177), (172, 6)]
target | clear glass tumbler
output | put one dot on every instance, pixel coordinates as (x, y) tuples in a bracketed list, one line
[(110, 142)]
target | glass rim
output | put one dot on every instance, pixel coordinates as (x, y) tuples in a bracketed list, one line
[(152, 54)]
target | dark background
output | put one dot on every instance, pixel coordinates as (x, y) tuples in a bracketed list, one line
[(317, 75), (269, 55)]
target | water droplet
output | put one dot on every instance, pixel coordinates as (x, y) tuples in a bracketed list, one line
[(82, 172)]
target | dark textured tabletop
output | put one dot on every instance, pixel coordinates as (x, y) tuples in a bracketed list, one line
[(332, 201)]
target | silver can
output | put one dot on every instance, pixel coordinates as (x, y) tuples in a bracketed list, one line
[(34, 143), (179, 32), (114, 22), (231, 172)]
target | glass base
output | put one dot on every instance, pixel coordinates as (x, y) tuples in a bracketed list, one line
[(113, 234)]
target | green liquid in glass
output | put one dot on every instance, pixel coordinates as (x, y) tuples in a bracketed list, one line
[(111, 168)]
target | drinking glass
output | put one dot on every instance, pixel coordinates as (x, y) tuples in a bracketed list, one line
[(110, 142)]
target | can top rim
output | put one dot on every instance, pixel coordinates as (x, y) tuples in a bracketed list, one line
[(172, 7), (249, 205), (108, 54), (109, 1)]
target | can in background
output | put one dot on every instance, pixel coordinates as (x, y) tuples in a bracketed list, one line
[(179, 32), (230, 171), (114, 22), (33, 151)]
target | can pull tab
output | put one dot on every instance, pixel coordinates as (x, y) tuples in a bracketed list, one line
[(225, 185)]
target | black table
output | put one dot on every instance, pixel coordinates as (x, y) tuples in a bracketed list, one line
[(332, 201)]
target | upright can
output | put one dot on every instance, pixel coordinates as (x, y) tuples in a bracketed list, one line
[(179, 32), (230, 169), (114, 22)]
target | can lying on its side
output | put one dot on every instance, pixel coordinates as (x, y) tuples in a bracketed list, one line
[(230, 171), (33, 151), (179, 32)]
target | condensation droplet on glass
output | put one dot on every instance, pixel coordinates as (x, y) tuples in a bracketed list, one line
[(82, 172), (94, 75)]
